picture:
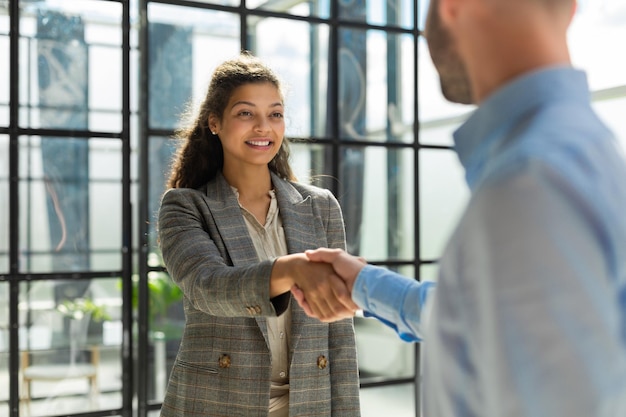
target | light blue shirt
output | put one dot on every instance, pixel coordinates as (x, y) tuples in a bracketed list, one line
[(529, 315)]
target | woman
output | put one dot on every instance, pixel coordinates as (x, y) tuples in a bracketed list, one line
[(232, 229)]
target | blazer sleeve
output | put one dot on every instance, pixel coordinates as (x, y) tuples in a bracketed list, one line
[(194, 255)]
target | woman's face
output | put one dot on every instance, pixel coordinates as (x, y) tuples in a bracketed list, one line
[(252, 127)]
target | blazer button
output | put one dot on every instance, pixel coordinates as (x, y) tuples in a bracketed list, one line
[(322, 362), (224, 361)]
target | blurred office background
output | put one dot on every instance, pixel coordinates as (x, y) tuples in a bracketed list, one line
[(91, 92)]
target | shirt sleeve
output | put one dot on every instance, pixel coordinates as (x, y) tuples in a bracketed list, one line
[(397, 301)]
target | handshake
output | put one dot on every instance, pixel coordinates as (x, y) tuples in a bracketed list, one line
[(320, 280)]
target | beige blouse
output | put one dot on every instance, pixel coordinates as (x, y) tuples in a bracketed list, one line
[(270, 243)]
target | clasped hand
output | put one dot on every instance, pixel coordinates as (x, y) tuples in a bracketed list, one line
[(329, 297)]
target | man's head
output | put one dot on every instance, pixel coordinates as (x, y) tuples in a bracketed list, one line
[(455, 84), (478, 45)]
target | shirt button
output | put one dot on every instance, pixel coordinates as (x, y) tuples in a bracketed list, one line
[(282, 335), (282, 374)]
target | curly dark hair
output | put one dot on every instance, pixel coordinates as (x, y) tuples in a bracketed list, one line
[(200, 155)]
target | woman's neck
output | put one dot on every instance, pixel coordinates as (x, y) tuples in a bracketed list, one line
[(250, 184)]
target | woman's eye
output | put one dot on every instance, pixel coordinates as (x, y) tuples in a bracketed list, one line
[(277, 115), (245, 113)]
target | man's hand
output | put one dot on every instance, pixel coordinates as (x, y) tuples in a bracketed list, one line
[(346, 266), (328, 298)]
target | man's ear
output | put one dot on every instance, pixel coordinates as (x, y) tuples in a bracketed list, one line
[(448, 11)]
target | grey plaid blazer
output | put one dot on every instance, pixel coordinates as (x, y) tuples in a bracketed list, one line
[(223, 364)]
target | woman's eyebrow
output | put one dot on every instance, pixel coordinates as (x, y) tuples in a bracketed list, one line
[(249, 103)]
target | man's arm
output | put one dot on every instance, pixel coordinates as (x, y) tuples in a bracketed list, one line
[(395, 300)]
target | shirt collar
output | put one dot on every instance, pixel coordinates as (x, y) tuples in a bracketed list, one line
[(479, 138)]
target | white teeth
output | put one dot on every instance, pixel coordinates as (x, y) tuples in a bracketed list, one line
[(259, 142)]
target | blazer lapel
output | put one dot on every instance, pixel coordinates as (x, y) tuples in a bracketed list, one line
[(226, 213), (302, 233), (299, 223)]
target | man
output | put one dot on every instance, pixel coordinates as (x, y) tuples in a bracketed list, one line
[(529, 315)]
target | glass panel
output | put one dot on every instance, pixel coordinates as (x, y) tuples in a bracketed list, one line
[(381, 353), (600, 23), (186, 44), (393, 400), (61, 60), (70, 343), (70, 200), (378, 12), (221, 2), (166, 320), (4, 68), (612, 112), (443, 195), (4, 204), (376, 86), (160, 151), (295, 7), (422, 10), (438, 117), (309, 164), (4, 348), (105, 88), (429, 272), (376, 189), (301, 61), (105, 204)]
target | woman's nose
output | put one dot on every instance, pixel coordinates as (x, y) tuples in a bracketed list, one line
[(262, 124)]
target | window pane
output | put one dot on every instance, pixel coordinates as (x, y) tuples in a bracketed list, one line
[(378, 12), (4, 69), (160, 151), (71, 76), (376, 189), (596, 41), (4, 347), (166, 321), (4, 204), (221, 2), (443, 195), (393, 400), (105, 204), (105, 87), (70, 200), (612, 112), (381, 353), (295, 7), (309, 163), (301, 61), (70, 343), (186, 44), (429, 272), (376, 86)]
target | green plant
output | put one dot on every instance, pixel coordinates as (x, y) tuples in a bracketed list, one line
[(81, 307), (162, 293)]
